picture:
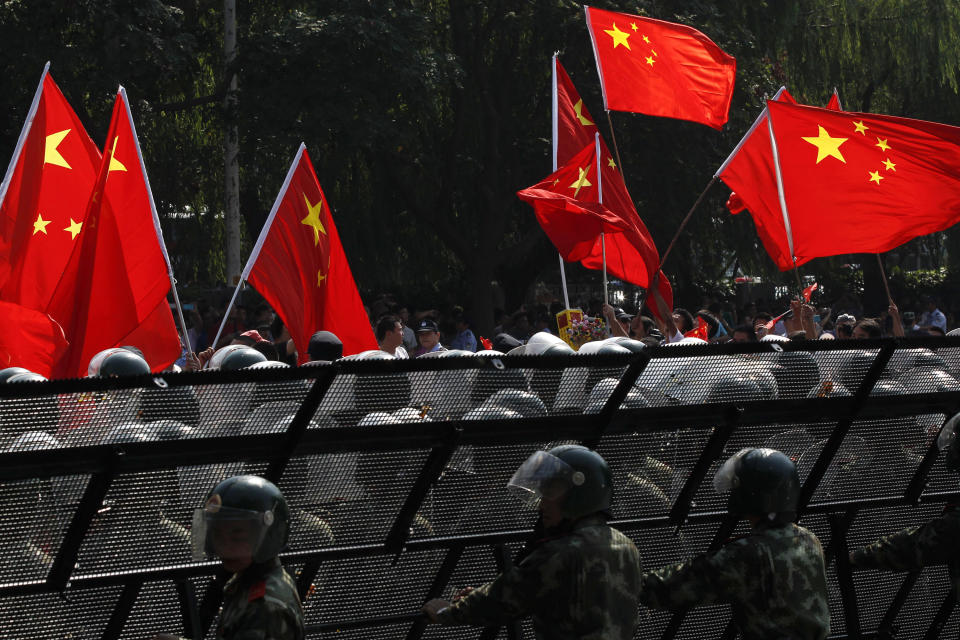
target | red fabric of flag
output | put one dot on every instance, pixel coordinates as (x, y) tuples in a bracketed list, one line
[(751, 175), (702, 330), (808, 292), (30, 339), (113, 291), (864, 183), (48, 183), (301, 269), (660, 68), (576, 129)]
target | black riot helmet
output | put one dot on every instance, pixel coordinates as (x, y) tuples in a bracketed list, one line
[(575, 475), (761, 482), (9, 372), (117, 361), (949, 443), (243, 515)]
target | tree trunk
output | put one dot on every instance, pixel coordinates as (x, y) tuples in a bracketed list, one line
[(231, 146)]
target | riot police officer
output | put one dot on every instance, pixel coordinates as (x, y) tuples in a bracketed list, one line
[(774, 578), (933, 543), (245, 522), (573, 551)]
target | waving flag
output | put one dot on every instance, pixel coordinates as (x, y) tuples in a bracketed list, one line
[(44, 198), (861, 182), (660, 68), (299, 266), (114, 288)]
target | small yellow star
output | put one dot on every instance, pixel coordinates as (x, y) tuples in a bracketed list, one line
[(578, 109), (313, 219), (619, 37), (40, 225), (74, 228), (649, 60), (581, 181), (654, 52), (646, 39), (861, 128), (826, 146), (889, 165), (556, 181), (320, 278), (882, 143), (875, 176), (633, 25), (611, 163)]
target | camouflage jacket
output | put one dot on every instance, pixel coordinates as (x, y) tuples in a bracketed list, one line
[(261, 605), (774, 579), (916, 547), (580, 585)]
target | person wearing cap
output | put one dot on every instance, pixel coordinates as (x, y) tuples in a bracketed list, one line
[(618, 320), (934, 543), (774, 578), (844, 326), (428, 337), (464, 340), (325, 346), (932, 317), (245, 522), (577, 577)]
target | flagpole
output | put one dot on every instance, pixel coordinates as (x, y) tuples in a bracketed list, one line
[(883, 273), (783, 201), (563, 268), (603, 240), (683, 224), (613, 138), (746, 136), (24, 132), (262, 237), (156, 222)]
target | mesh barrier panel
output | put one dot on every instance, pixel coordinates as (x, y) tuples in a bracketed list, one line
[(385, 443)]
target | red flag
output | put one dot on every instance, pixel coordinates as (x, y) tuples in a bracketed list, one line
[(861, 182), (808, 292), (44, 198), (660, 68), (299, 266), (750, 173), (702, 330), (30, 339), (574, 129), (487, 345), (115, 286)]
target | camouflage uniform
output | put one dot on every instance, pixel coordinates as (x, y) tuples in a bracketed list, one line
[(916, 547), (580, 585), (261, 606), (774, 579)]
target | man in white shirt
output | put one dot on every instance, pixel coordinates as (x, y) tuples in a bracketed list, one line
[(389, 334)]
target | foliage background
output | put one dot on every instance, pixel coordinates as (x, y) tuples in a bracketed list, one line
[(425, 117)]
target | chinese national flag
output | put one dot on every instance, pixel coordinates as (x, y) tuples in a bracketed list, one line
[(44, 198), (660, 68), (114, 288), (300, 267), (808, 292), (864, 183), (702, 330), (750, 173), (575, 129), (30, 339)]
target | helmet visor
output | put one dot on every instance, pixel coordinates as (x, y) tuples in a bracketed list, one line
[(727, 477), (228, 533), (948, 435), (543, 475)]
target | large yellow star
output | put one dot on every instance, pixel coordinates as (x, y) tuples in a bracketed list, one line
[(40, 225), (581, 181), (619, 37), (50, 153), (115, 165), (313, 219), (882, 143), (826, 146), (861, 128), (889, 165), (649, 60), (875, 176), (74, 228), (578, 109)]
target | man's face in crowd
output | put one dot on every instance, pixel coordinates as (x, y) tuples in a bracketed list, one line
[(393, 338), (860, 334), (428, 339), (741, 336)]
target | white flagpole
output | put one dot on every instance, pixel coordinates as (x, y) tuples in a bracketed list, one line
[(556, 125), (756, 123), (783, 200), (603, 240), (837, 93), (261, 238), (156, 221), (22, 140), (596, 58)]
